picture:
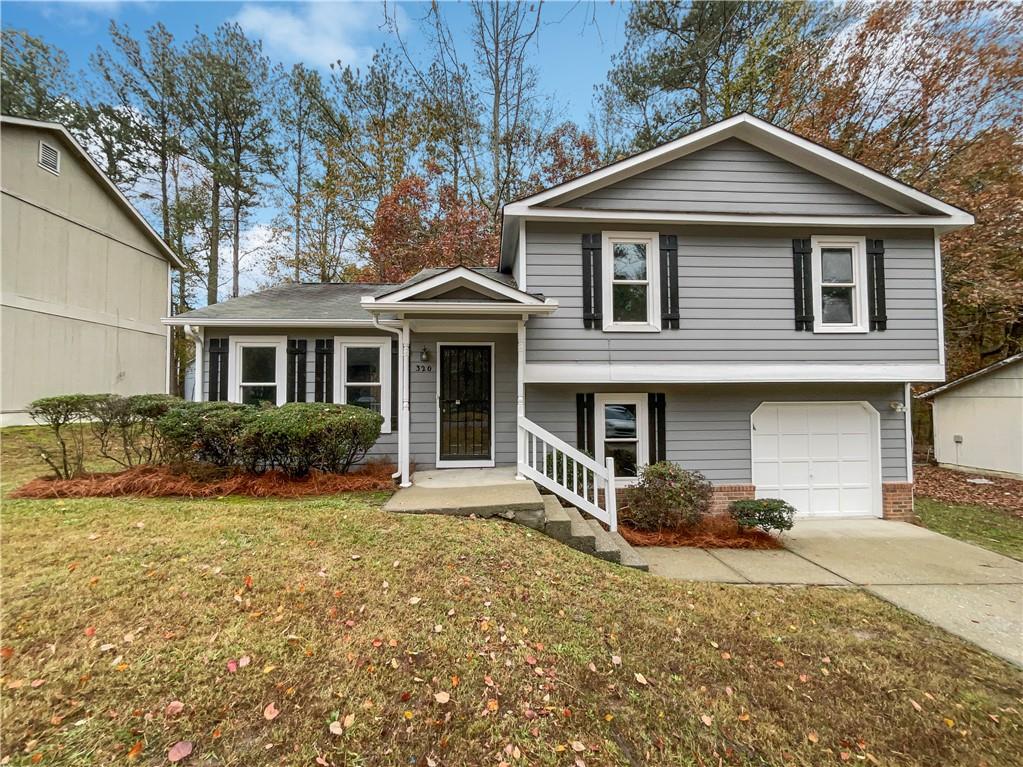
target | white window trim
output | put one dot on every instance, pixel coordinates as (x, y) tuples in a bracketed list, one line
[(234, 368), (653, 273), (341, 345), (860, 307), (639, 399), (56, 149)]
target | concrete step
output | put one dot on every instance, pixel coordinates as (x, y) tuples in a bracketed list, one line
[(604, 547), (581, 537), (557, 524), (628, 556), (517, 501)]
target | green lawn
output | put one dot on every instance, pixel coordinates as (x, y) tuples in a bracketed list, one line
[(436, 640), (993, 529)]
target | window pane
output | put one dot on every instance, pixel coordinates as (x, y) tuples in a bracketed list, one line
[(619, 421), (259, 363), (363, 396), (836, 265), (624, 454), (363, 364), (257, 395), (629, 303), (629, 261), (837, 306)]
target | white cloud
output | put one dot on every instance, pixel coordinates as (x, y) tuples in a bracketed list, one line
[(317, 33)]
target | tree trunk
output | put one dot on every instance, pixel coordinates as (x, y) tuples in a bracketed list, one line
[(213, 277), (236, 212)]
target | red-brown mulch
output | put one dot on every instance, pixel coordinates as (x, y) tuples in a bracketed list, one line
[(950, 486), (716, 532), (160, 482)]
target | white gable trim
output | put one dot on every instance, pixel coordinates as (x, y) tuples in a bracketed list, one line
[(768, 137), (453, 277)]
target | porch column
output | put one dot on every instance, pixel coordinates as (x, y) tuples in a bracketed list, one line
[(403, 415), (520, 407), (196, 334)]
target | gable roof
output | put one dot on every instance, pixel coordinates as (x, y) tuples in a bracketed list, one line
[(304, 303), (430, 284), (972, 376), (108, 186), (911, 206)]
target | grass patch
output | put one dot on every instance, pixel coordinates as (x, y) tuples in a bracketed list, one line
[(114, 608), (998, 531)]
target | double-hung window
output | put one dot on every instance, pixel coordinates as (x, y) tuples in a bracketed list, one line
[(362, 374), (258, 369), (840, 285), (631, 297), (621, 425)]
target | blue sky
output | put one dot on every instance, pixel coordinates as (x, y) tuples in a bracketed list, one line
[(574, 51)]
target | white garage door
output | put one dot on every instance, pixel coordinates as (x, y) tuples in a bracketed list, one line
[(823, 458)]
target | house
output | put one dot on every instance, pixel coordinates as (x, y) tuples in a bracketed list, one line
[(741, 301), (85, 280), (978, 419)]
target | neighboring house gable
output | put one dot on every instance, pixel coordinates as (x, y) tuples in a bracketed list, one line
[(730, 176)]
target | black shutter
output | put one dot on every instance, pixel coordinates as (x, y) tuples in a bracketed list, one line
[(802, 285), (875, 285), (394, 385), (669, 281), (593, 316), (584, 424), (296, 369), (323, 382), (218, 370), (658, 433)]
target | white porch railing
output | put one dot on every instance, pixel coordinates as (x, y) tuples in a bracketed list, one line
[(568, 472)]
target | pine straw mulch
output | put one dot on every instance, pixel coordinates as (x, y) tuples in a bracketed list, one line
[(162, 481), (715, 532), (950, 486)]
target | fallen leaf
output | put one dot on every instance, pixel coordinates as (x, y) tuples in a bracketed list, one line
[(640, 678), (349, 720), (492, 705), (232, 666), (244, 661), (707, 720), (616, 660), (743, 717), (531, 660), (415, 600), (812, 736), (916, 705), (90, 631), (135, 751), (174, 708), (442, 697), (577, 746), (270, 712), (180, 750), (38, 682), (336, 728)]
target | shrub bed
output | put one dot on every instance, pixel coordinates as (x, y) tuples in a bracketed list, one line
[(667, 497)]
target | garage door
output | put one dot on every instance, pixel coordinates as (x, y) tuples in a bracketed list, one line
[(823, 458)]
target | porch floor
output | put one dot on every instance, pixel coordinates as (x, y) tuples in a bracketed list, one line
[(461, 492)]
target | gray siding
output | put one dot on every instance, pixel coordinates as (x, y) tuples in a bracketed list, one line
[(730, 177), (736, 301), (708, 427), (423, 399)]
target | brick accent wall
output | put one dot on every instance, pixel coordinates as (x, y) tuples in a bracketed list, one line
[(725, 494), (897, 501)]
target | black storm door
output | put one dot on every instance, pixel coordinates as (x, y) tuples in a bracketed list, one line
[(465, 421)]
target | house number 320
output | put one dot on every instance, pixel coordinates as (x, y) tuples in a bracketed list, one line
[(424, 368)]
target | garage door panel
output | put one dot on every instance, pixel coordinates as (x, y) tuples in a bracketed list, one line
[(819, 457)]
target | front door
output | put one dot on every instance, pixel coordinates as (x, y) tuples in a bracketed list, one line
[(464, 399)]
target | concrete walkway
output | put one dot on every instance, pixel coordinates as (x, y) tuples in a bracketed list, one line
[(966, 590)]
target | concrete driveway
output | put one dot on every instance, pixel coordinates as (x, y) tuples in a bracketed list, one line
[(966, 590)]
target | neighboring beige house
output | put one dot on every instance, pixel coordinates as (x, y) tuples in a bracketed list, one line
[(84, 279), (978, 419)]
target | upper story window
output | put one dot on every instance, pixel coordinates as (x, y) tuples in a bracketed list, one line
[(362, 375), (259, 370), (839, 285), (630, 281)]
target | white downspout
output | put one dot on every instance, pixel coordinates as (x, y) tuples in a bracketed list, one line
[(520, 407), (403, 358), (196, 335)]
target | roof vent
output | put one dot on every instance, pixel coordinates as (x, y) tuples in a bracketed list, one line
[(49, 158)]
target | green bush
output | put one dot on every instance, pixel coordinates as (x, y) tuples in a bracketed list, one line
[(667, 497), (766, 513), (301, 436), (125, 427), (63, 415), (213, 432)]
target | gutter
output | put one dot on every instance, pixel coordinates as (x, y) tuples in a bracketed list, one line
[(403, 352)]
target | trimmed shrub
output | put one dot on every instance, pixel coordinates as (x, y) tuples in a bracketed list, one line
[(213, 432), (301, 436), (63, 415), (766, 513), (125, 427), (667, 497)]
